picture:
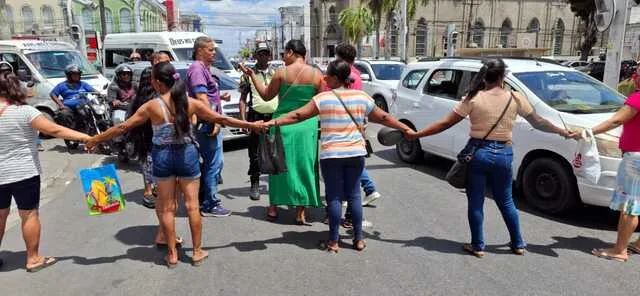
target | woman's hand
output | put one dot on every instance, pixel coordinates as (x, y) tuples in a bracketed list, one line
[(410, 134), (90, 144), (569, 134), (246, 70), (259, 126)]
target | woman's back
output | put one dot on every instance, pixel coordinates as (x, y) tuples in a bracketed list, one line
[(300, 84), (18, 152), (161, 114), (485, 108)]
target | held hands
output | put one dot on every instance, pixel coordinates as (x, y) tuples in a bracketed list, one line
[(410, 134), (225, 97), (90, 143), (259, 126), (571, 134)]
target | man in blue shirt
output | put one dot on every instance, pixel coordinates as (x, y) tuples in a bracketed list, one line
[(70, 89)]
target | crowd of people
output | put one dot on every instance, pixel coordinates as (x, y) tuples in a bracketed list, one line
[(174, 125)]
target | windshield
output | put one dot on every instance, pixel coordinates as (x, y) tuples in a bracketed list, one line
[(387, 71), (221, 62), (226, 82), (572, 92), (51, 64)]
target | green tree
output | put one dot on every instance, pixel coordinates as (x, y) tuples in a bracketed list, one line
[(376, 7), (245, 53), (357, 22), (389, 8)]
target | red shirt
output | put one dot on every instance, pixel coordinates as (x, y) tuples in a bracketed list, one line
[(357, 81), (629, 140)]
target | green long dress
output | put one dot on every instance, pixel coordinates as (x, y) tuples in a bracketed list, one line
[(300, 186)]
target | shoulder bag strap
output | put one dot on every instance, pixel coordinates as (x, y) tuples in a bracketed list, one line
[(360, 128), (500, 118)]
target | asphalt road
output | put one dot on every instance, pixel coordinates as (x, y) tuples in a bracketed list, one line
[(414, 246)]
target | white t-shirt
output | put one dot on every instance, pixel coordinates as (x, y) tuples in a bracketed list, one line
[(18, 148)]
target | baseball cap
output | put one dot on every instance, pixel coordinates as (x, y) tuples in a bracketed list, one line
[(262, 47)]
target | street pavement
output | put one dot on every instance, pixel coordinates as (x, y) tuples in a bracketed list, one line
[(414, 245)]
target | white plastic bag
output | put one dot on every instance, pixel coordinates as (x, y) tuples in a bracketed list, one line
[(586, 161)]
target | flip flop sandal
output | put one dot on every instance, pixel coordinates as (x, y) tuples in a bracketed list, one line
[(179, 242), (600, 253), (48, 261), (633, 248), (469, 249), (169, 264), (199, 261), (272, 218)]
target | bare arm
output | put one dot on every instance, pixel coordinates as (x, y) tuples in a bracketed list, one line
[(266, 92), (441, 125), (208, 115), (202, 97), (541, 124), (305, 112), (50, 128), (243, 105), (623, 115), (379, 116), (57, 101)]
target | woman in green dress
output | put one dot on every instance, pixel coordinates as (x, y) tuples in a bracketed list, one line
[(294, 85)]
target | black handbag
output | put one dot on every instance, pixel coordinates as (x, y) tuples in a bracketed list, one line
[(458, 174), (271, 158), (367, 143)]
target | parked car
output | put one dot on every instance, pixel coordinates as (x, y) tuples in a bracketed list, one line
[(380, 79), (227, 84), (596, 69), (542, 162), (574, 64)]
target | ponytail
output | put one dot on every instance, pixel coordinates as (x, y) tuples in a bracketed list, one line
[(491, 72), (477, 84)]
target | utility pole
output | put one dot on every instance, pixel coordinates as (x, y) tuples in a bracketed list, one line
[(103, 21), (615, 44), (403, 30)]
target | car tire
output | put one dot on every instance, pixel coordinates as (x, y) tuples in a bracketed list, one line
[(48, 115), (409, 151), (381, 103), (549, 186)]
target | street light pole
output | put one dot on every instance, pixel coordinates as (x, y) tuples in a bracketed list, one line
[(103, 21), (615, 44), (403, 30)]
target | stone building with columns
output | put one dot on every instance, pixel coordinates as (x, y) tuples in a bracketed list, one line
[(481, 23)]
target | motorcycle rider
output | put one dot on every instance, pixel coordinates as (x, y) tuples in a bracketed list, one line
[(70, 91), (120, 91)]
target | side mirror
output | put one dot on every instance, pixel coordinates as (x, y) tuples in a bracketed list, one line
[(24, 75), (105, 86), (365, 77)]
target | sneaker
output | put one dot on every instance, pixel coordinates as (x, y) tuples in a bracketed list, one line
[(369, 199), (40, 147), (254, 194), (218, 211), (149, 202), (344, 204)]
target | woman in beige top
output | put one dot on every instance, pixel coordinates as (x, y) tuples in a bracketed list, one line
[(485, 104)]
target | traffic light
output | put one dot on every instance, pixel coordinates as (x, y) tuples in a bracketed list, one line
[(445, 45), (76, 32)]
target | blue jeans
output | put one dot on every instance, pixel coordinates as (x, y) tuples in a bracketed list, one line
[(212, 156), (492, 164), (341, 178), (367, 185)]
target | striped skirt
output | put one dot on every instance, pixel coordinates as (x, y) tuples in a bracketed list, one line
[(626, 196)]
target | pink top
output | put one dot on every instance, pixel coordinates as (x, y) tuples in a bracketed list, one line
[(629, 142), (357, 81)]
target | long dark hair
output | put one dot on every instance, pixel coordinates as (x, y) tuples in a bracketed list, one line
[(341, 70), (142, 135), (167, 75), (11, 90), (297, 47), (491, 72)]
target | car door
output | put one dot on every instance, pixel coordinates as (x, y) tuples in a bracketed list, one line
[(367, 86), (440, 94)]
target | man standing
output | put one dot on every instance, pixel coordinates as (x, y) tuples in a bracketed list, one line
[(259, 109), (204, 87)]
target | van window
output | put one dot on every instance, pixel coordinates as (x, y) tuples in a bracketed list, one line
[(114, 57), (413, 78), (16, 62), (52, 63), (444, 83)]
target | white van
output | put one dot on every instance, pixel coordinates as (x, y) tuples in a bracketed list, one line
[(118, 48), (43, 62), (542, 162)]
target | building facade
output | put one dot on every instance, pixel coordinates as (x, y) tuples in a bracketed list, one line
[(480, 23), (292, 25)]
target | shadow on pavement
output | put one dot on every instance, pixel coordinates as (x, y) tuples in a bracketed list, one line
[(430, 164), (63, 149), (309, 240), (235, 145), (285, 216)]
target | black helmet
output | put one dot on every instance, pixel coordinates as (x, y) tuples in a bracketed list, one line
[(123, 69), (73, 68), (5, 67)]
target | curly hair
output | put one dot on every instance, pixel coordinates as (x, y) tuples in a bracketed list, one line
[(11, 89)]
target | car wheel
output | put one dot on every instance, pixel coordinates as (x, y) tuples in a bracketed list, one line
[(48, 115), (549, 186), (381, 103), (409, 151)]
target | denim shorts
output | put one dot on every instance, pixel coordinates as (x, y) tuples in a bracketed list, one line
[(25, 192), (181, 161)]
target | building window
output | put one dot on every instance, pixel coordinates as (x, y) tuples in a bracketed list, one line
[(558, 37), (125, 20), (421, 38), (505, 33), (47, 15), (27, 19), (108, 17), (87, 20), (534, 27), (332, 14), (9, 13), (477, 32)]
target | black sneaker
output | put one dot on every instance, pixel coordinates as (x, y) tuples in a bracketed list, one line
[(218, 211), (254, 194), (149, 202)]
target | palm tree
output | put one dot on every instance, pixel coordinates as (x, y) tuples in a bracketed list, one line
[(389, 7), (356, 22), (376, 7)]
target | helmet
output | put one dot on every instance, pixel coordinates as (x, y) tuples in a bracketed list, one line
[(123, 69), (5, 67), (73, 68), (135, 56)]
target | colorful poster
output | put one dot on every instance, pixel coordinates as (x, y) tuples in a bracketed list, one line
[(102, 190)]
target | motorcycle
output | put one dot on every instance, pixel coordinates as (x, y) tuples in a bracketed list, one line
[(123, 148), (91, 117)]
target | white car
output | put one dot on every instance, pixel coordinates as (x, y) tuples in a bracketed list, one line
[(542, 162), (380, 79)]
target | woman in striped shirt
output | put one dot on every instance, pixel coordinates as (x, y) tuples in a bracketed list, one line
[(342, 146)]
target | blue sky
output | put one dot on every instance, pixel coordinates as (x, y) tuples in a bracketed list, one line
[(234, 21)]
